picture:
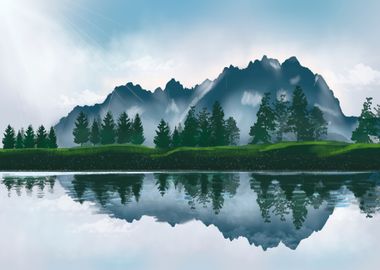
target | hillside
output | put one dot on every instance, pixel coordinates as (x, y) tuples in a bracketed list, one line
[(239, 90), (308, 156)]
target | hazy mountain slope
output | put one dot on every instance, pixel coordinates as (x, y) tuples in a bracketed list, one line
[(238, 90)]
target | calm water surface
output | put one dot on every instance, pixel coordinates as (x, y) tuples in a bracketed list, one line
[(189, 221)]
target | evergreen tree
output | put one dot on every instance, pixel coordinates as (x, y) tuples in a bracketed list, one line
[(218, 129), (190, 130), (176, 138), (123, 129), (162, 139), (9, 139), (265, 123), (42, 140), (108, 133), (81, 130), (204, 128), (367, 124), (232, 132), (299, 121), (20, 139), (137, 131), (95, 133), (281, 110), (52, 139), (318, 123), (29, 139)]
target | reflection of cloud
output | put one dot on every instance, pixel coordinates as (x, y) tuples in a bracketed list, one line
[(251, 99)]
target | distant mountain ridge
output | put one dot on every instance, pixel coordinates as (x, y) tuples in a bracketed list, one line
[(239, 90)]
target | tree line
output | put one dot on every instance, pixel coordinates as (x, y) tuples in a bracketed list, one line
[(200, 129), (29, 139), (281, 118), (368, 129), (107, 131)]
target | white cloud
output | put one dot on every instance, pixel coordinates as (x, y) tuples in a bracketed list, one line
[(172, 107), (250, 98), (81, 98)]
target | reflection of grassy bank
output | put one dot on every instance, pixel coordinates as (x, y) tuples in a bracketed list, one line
[(281, 156)]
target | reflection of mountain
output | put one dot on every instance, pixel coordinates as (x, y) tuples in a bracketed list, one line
[(265, 209), (238, 90)]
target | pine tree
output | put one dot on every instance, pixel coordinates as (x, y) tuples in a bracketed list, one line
[(299, 121), (218, 130), (42, 140), (162, 139), (204, 128), (137, 131), (367, 124), (318, 123), (281, 110), (9, 139), (232, 132), (176, 138), (190, 130), (29, 139), (52, 139), (124, 129), (81, 130), (265, 123), (95, 133), (108, 132), (20, 139)]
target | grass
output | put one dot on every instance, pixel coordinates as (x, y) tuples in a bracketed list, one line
[(321, 155)]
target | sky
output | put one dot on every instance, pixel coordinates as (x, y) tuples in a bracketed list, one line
[(55, 55)]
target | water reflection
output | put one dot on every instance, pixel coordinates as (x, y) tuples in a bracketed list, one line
[(266, 209)]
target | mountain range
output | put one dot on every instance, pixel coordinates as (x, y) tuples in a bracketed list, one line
[(239, 90)]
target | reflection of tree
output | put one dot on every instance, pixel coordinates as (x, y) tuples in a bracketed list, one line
[(126, 186), (28, 183), (281, 195), (162, 182)]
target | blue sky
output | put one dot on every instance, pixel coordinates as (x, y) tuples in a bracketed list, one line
[(74, 52)]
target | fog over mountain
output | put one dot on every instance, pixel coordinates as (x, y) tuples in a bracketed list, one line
[(239, 90)]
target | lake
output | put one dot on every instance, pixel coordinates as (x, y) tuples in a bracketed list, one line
[(189, 220)]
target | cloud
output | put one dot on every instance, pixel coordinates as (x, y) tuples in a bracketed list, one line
[(81, 98), (251, 99)]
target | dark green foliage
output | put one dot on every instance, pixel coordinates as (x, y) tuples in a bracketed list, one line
[(232, 132), (162, 139), (108, 132), (29, 139), (176, 138), (282, 156), (204, 128), (367, 124), (299, 121), (42, 140), (137, 131), (20, 139), (318, 124), (124, 129), (190, 131), (52, 139), (95, 133), (265, 123), (281, 110), (81, 130), (218, 129), (9, 139)]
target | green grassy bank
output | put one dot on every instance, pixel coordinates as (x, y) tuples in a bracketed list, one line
[(282, 156)]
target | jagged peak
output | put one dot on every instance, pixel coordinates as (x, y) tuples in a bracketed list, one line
[(292, 60), (173, 84)]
